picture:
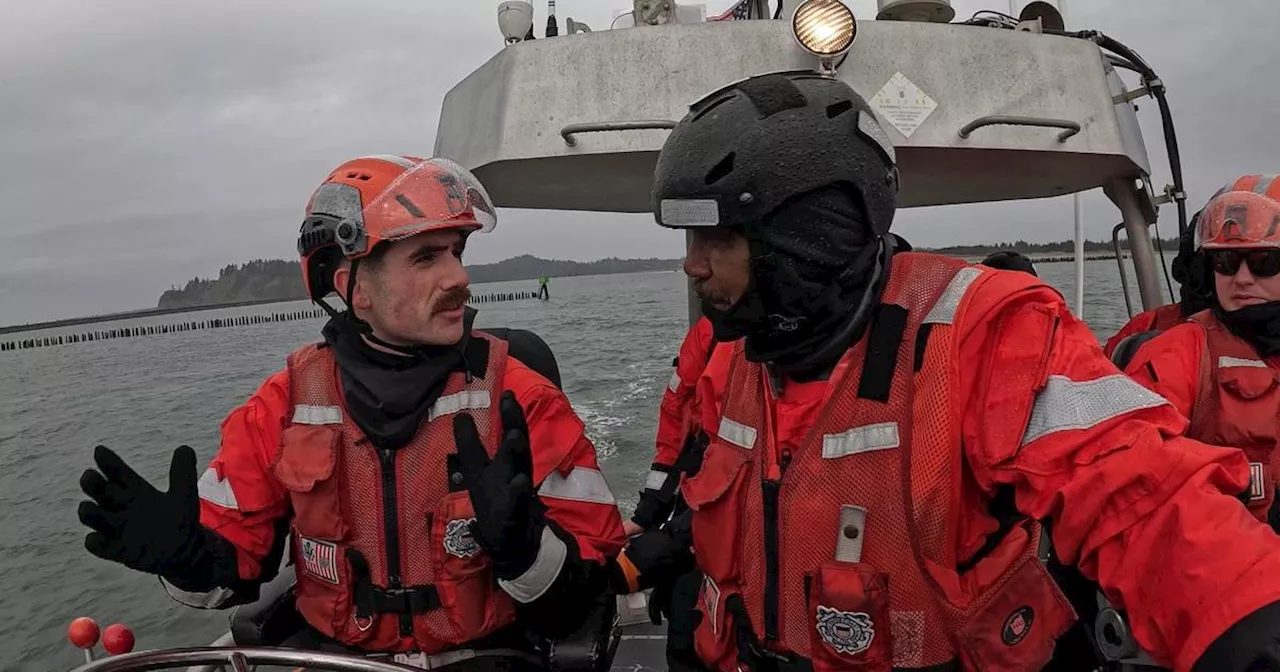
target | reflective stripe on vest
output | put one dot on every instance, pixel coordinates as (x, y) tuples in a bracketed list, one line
[(336, 484)]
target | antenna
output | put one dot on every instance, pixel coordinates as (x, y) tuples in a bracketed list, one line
[(552, 30)]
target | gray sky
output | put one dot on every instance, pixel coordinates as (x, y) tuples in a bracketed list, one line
[(147, 142)]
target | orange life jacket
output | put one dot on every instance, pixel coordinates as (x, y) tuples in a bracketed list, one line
[(1238, 405), (1166, 317), (849, 559), (427, 586)]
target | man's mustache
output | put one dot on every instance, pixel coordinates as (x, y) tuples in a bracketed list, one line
[(707, 295), (453, 299)]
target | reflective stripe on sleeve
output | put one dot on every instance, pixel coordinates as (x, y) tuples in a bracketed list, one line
[(1066, 404)]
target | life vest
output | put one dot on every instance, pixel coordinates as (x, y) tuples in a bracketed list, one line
[(1238, 405), (427, 586), (1164, 318), (849, 560)]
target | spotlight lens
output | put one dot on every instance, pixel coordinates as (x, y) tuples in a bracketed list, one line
[(824, 27)]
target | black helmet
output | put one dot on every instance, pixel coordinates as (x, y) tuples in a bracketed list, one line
[(748, 148), (1009, 260)]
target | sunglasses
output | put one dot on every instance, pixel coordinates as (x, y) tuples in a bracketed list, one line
[(1262, 263)]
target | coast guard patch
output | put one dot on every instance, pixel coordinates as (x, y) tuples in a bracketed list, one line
[(458, 540), (848, 632), (319, 558)]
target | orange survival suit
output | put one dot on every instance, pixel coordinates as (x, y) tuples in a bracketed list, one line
[(678, 428), (856, 522), (1160, 318), (385, 559)]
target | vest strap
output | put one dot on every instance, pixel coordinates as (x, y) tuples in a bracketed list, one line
[(881, 358), (922, 341), (371, 600)]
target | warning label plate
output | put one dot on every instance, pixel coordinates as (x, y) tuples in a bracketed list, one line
[(903, 104)]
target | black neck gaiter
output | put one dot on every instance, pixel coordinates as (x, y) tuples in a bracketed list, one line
[(388, 394), (1259, 325)]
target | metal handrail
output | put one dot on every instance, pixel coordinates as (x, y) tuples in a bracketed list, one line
[(237, 659), (1124, 279), (600, 126), (1071, 127)]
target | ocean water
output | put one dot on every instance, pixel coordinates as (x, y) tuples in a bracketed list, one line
[(614, 337)]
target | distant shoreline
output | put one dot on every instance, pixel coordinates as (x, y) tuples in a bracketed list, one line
[(132, 314), (153, 312)]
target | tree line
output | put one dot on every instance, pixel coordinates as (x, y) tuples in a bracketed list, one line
[(281, 280)]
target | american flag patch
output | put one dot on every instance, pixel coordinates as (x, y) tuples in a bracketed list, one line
[(737, 12), (320, 559), (711, 602), (1257, 486)]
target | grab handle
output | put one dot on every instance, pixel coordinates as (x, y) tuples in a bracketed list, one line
[(1004, 120), (600, 126)]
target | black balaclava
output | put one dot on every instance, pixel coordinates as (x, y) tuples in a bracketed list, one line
[(389, 394), (811, 266), (1258, 324)]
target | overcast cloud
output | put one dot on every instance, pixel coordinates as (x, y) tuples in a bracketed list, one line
[(147, 142)]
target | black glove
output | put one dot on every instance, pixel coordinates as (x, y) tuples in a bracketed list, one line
[(509, 515), (653, 507), (661, 556), (137, 525)]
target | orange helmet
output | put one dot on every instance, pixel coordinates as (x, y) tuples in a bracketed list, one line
[(375, 199), (1243, 214)]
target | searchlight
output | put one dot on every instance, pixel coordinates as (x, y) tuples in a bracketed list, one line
[(826, 29)]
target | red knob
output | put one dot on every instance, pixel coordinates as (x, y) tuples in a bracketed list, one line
[(117, 639), (83, 633)]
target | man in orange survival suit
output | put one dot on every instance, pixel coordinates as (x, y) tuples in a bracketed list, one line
[(1220, 368), (440, 493), (679, 433), (895, 428), (1193, 297)]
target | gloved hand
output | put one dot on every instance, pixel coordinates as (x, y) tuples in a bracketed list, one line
[(137, 525), (661, 557), (509, 515), (654, 506)]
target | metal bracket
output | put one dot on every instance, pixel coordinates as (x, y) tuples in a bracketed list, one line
[(1071, 127), (1132, 95), (1168, 195), (600, 126)]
